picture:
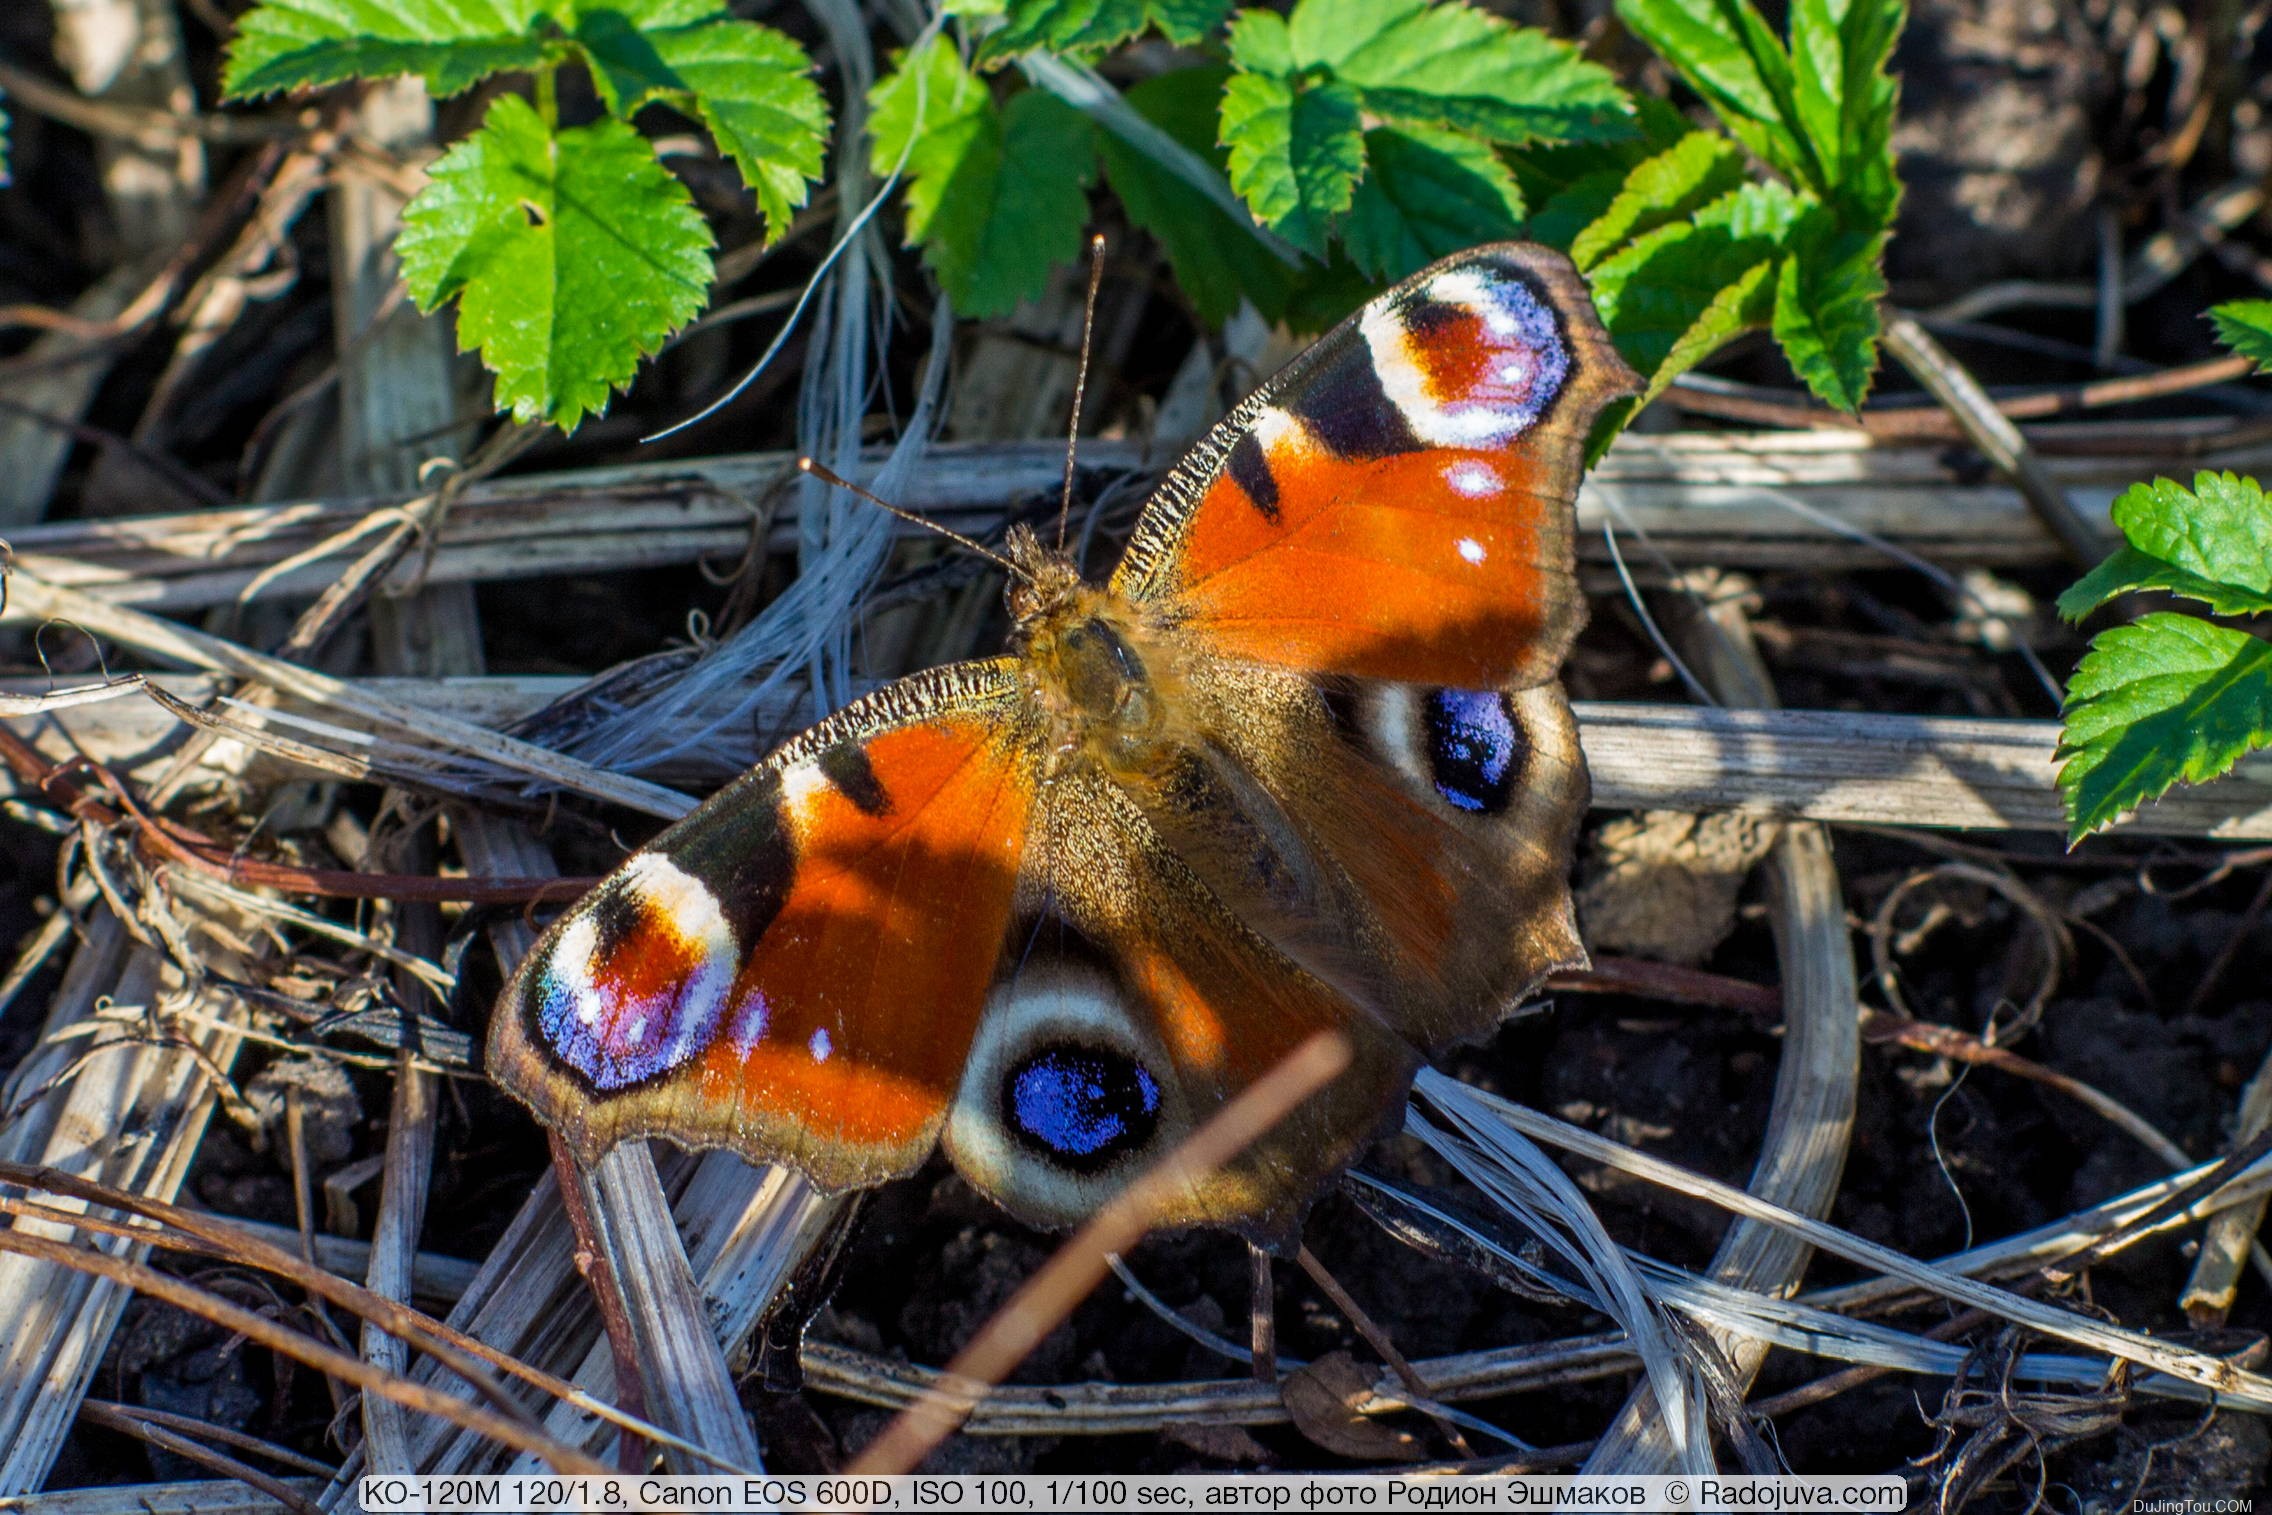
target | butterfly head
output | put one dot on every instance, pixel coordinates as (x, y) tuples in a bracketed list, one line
[(1095, 669)]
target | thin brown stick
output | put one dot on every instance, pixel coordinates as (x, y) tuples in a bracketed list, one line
[(301, 1348), (208, 1235), (174, 842), (190, 1425), (1262, 1322), (1967, 403), (1379, 1341), (1080, 1265), (1930, 423), (118, 1418), (607, 1295)]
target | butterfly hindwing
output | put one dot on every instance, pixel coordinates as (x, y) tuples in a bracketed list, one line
[(796, 969), (1133, 1003), (1395, 504)]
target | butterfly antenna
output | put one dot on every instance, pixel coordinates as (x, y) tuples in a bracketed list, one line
[(827, 475), (1081, 382)]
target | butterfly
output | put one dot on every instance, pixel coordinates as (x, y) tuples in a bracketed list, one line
[(1301, 762)]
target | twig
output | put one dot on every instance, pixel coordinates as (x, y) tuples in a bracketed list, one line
[(1080, 1265), (1989, 430)]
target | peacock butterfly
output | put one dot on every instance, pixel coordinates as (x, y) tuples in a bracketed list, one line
[(1302, 761)]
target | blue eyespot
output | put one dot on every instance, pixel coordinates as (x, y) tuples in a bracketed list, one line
[(1475, 750), (1081, 1107)]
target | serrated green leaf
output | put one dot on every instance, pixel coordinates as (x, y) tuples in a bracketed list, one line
[(753, 87), (1063, 26), (1574, 207), (571, 256), (749, 84), (1187, 22), (1725, 52), (997, 197), (1295, 152), (927, 118), (1846, 101), (451, 44), (1671, 186), (1546, 169), (2245, 326), (1674, 294), (1827, 292), (1083, 28), (1426, 193), (1452, 65), (2129, 571), (2168, 698), (1261, 44), (2212, 543), (1217, 258)]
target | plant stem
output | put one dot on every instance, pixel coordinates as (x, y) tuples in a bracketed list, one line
[(548, 98)]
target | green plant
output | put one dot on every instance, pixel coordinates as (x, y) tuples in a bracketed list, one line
[(2172, 696), (1302, 159), (571, 251)]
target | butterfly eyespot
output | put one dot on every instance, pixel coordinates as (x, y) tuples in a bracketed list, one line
[(636, 983), (1475, 749), (1081, 1107)]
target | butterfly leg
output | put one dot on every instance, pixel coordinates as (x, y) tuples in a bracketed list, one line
[(1263, 1308), (1377, 1339)]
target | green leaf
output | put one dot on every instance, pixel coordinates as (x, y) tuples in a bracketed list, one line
[(1426, 193), (1217, 257), (928, 117), (1576, 206), (1452, 65), (1295, 151), (2212, 543), (749, 84), (1088, 27), (570, 256), (753, 87), (2245, 326), (1671, 186), (2169, 697), (1846, 101), (451, 44), (1724, 51), (1546, 169), (1826, 308), (1673, 295), (997, 197), (1187, 23)]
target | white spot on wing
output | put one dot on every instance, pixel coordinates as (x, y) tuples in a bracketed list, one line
[(1471, 549), (1473, 478), (675, 900), (750, 1017), (820, 1045)]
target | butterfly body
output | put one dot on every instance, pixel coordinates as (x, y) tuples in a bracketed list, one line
[(1300, 762)]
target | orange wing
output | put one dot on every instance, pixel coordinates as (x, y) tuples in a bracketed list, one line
[(797, 969), (1396, 503)]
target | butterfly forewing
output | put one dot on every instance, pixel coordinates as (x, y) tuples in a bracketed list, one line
[(1395, 504), (795, 970)]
